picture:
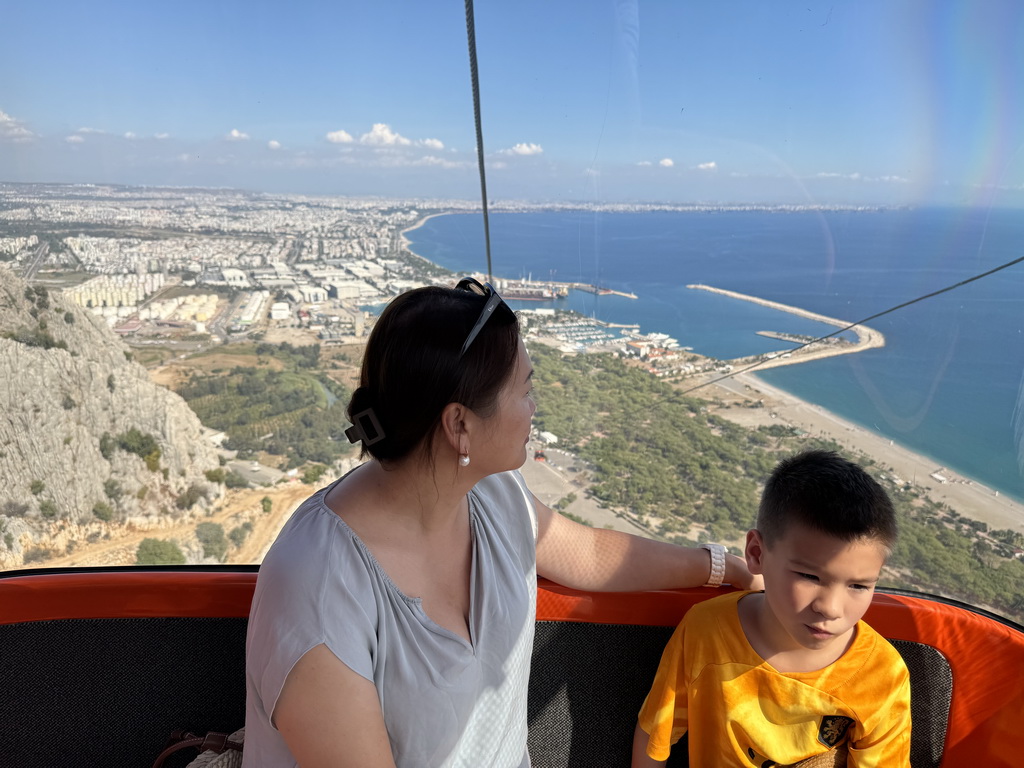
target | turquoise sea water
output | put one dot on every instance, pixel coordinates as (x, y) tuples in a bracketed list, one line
[(948, 383)]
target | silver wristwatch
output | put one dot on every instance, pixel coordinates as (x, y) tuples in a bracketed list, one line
[(717, 552)]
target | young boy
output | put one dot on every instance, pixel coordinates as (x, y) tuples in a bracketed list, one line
[(780, 676)]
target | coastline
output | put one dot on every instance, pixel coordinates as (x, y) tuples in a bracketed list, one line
[(964, 494), (419, 223), (968, 497)]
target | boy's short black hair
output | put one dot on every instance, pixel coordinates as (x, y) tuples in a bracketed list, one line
[(827, 493)]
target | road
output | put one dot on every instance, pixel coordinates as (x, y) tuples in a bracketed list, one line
[(36, 260)]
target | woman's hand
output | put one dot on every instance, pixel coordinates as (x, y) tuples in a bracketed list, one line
[(737, 575)]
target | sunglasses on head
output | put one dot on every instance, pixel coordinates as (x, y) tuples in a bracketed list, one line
[(493, 300)]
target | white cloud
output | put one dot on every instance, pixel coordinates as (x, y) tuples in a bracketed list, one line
[(895, 179), (832, 175), (13, 130), (129, 135), (340, 137), (74, 139), (644, 163), (237, 135), (591, 172), (712, 166), (523, 149), (439, 162), (666, 162), (381, 135), (90, 130), (433, 144), (273, 144), (161, 136)]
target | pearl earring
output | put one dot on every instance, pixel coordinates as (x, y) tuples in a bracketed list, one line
[(464, 460)]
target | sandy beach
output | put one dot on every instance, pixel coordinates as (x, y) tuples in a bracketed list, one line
[(966, 496), (553, 480), (419, 223)]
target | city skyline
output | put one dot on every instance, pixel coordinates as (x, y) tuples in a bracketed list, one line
[(799, 103)]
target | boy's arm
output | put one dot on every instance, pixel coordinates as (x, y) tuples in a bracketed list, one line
[(640, 758), (663, 717)]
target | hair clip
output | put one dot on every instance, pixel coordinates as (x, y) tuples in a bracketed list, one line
[(365, 427)]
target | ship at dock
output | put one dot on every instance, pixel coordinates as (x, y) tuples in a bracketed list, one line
[(526, 290)]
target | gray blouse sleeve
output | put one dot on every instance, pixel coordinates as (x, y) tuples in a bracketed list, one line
[(313, 588)]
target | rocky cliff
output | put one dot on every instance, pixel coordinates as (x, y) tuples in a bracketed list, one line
[(87, 442)]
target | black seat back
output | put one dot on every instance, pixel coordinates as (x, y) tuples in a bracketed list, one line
[(108, 692), (588, 682)]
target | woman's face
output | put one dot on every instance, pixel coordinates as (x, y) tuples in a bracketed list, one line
[(508, 430)]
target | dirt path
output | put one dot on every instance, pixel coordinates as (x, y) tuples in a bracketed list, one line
[(238, 507)]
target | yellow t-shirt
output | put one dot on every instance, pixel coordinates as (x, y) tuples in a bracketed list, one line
[(740, 711)]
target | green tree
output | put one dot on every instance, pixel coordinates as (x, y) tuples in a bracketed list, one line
[(137, 442), (234, 480), (159, 552), (215, 544), (239, 534), (12, 508), (311, 474), (188, 499), (102, 511), (112, 489), (37, 554)]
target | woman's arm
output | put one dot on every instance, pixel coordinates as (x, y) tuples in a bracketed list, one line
[(330, 716), (640, 757), (601, 560)]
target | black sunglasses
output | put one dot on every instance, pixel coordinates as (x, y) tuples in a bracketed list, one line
[(493, 300)]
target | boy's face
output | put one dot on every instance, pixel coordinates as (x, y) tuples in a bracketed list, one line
[(816, 587)]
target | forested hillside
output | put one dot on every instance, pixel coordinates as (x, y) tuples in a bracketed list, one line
[(691, 476), (292, 410)]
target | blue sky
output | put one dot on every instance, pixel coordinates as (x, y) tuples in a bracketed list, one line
[(864, 101)]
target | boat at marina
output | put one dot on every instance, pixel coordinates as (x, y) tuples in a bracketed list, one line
[(527, 290)]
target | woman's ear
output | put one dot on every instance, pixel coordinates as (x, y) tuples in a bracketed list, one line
[(454, 427), (754, 552)]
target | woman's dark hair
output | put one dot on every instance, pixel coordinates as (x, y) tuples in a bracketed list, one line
[(825, 492), (412, 367)]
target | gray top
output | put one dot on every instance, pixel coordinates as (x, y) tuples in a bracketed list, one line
[(446, 702)]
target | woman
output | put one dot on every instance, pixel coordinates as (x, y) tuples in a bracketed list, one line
[(393, 618)]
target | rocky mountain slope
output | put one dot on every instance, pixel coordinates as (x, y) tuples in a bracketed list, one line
[(88, 444)]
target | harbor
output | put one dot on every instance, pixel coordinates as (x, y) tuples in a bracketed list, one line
[(527, 289)]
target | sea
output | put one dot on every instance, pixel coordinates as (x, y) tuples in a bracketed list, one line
[(948, 384)]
